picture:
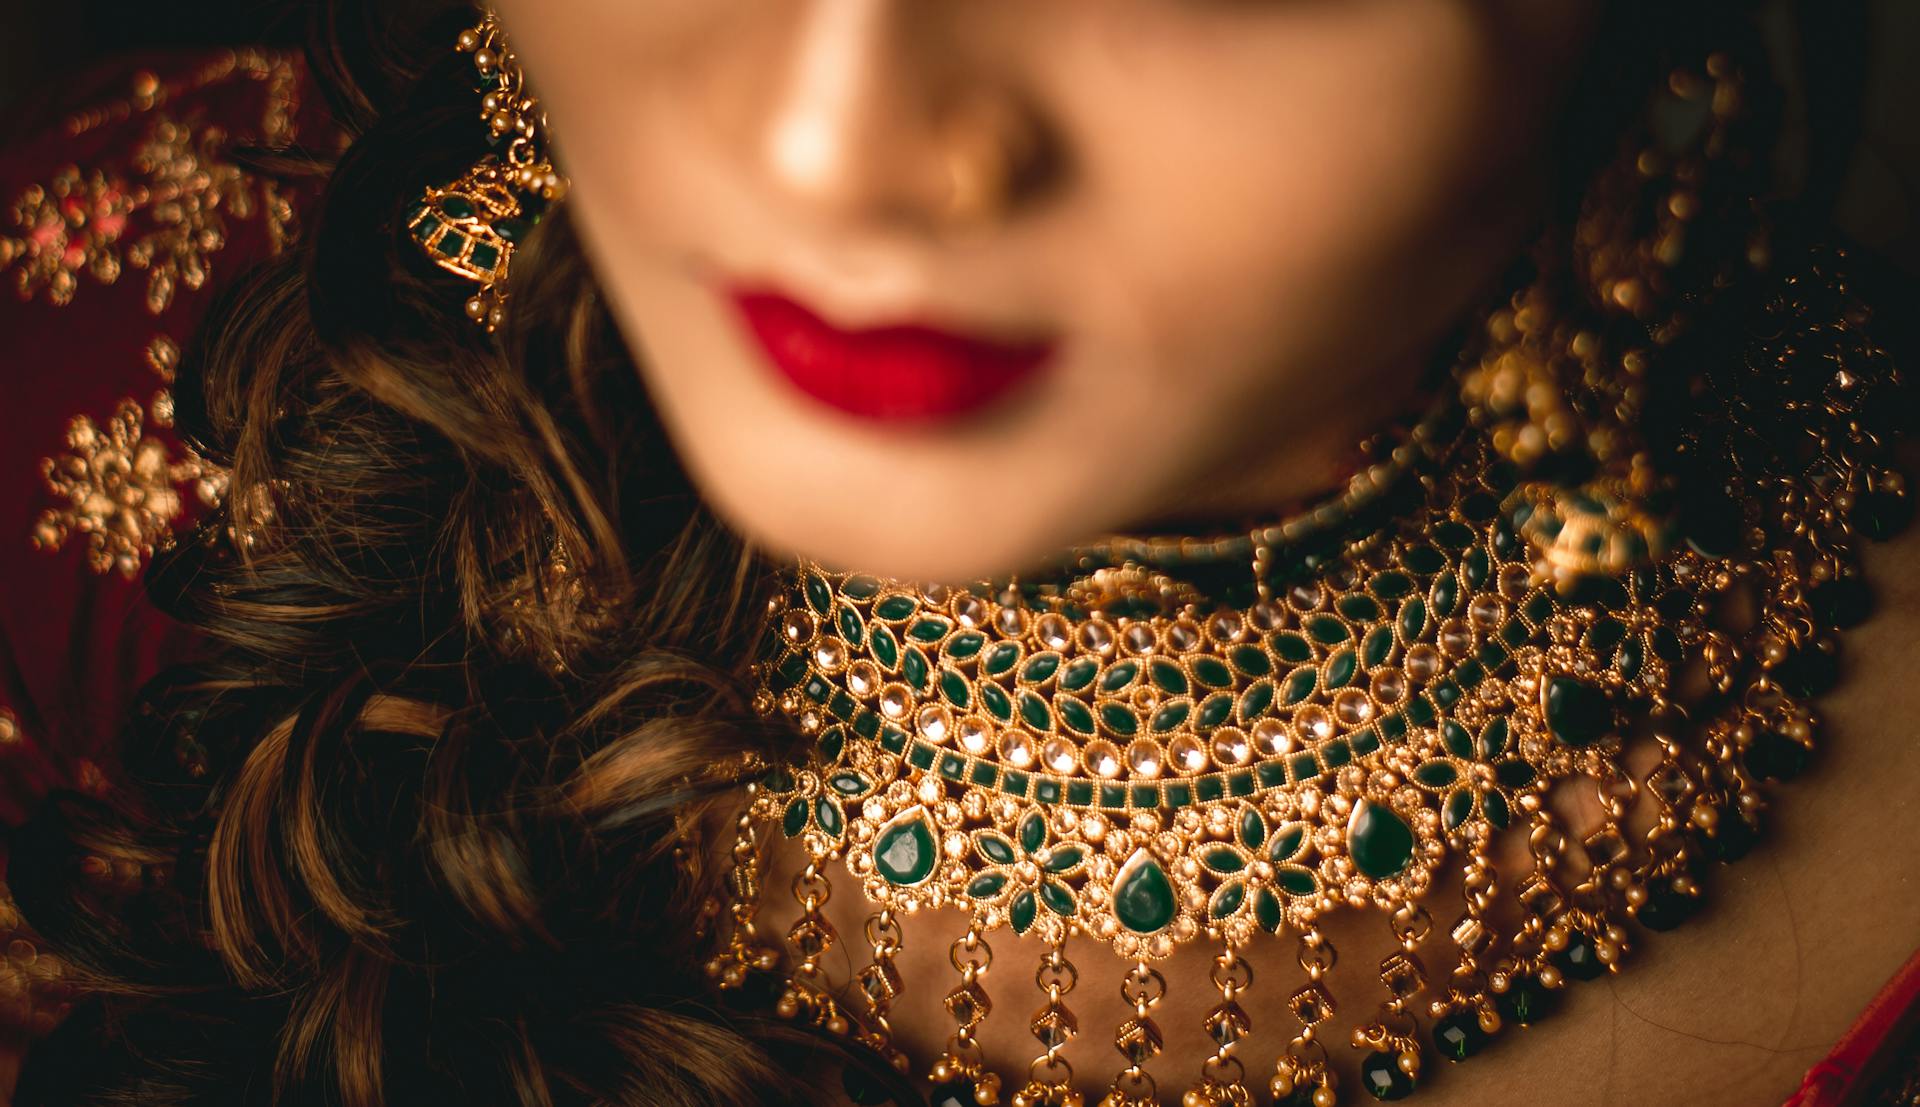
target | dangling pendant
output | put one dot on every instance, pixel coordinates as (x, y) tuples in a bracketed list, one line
[(1049, 1076), (960, 1077)]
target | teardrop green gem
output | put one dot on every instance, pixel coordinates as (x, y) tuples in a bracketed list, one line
[(1142, 895), (1380, 841), (904, 851)]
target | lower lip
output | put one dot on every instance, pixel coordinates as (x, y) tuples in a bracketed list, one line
[(898, 374)]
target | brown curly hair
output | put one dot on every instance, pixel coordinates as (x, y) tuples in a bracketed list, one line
[(433, 819), (426, 824)]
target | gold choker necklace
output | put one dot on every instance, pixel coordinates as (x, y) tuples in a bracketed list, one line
[(1123, 753)]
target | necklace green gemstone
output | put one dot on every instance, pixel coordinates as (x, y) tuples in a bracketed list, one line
[(1223, 740)]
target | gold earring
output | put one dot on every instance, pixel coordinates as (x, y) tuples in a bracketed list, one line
[(471, 227), (1554, 381)]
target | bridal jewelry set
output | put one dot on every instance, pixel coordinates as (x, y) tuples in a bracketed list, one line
[(1546, 584)]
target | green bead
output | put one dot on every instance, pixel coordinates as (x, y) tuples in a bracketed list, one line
[(905, 850), (1040, 668), (1119, 718), (1022, 912), (1212, 672), (1577, 713), (1227, 900), (896, 608), (457, 207), (485, 255), (1167, 677), (1253, 828), (1033, 831), (1266, 911), (1078, 674), (1341, 668), (1001, 659), (1296, 880), (994, 847), (1058, 899), (1379, 840), (1118, 676), (986, 885), (884, 647), (1143, 898), (1075, 716)]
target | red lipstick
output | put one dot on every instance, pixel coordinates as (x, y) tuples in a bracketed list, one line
[(892, 374)]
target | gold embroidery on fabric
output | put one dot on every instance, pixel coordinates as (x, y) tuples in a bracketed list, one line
[(178, 182), (122, 487)]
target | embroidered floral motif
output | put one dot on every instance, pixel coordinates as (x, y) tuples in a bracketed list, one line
[(119, 487), (166, 210)]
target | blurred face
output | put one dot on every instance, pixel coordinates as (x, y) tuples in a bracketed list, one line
[(934, 288)]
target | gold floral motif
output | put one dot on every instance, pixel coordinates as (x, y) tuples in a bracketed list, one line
[(121, 488), (178, 185)]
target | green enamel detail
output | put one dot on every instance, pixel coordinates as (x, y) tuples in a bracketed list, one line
[(826, 814), (994, 848), (1251, 660), (955, 689), (1035, 712), (1436, 774), (1379, 840), (1291, 646), (986, 885), (1296, 880), (1493, 739), (1341, 668), (915, 669), (1078, 674), (1378, 647), (994, 699), (1513, 774), (1327, 630), (905, 850), (1459, 743), (1022, 912), (1266, 911), (1143, 898), (1458, 808), (1040, 668), (1171, 716), (850, 784), (1255, 700), (1214, 710), (1075, 716), (1253, 828), (860, 587), (1359, 607), (1577, 713), (1424, 560), (1453, 535), (1288, 842), (896, 608), (1227, 900), (1033, 831), (1301, 685), (965, 645), (819, 596), (794, 819), (1445, 596), (851, 628), (928, 630), (1119, 675), (884, 647), (1119, 718), (1413, 619), (485, 255), (1475, 568), (1065, 859), (451, 243), (1001, 659), (1057, 898), (1212, 672), (458, 207), (1167, 677), (1495, 806), (1390, 585), (1224, 860)]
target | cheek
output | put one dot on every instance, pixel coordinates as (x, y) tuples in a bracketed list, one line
[(1279, 194)]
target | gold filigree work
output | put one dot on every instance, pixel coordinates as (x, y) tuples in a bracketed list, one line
[(166, 212), (122, 489)]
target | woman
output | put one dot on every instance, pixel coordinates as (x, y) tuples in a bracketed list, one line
[(1494, 474)]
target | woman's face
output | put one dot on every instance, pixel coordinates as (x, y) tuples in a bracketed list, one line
[(934, 288)]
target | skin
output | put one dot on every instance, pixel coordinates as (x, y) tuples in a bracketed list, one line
[(1247, 222), (1250, 296)]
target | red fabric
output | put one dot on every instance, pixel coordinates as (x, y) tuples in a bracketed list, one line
[(1872, 1049), (76, 644)]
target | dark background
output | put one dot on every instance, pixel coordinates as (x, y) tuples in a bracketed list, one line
[(43, 42)]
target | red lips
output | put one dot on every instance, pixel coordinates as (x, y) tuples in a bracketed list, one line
[(894, 374)]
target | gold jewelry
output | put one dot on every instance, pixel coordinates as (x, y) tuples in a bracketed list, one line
[(1117, 753), (471, 227)]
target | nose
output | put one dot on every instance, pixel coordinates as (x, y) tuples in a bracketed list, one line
[(875, 119)]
